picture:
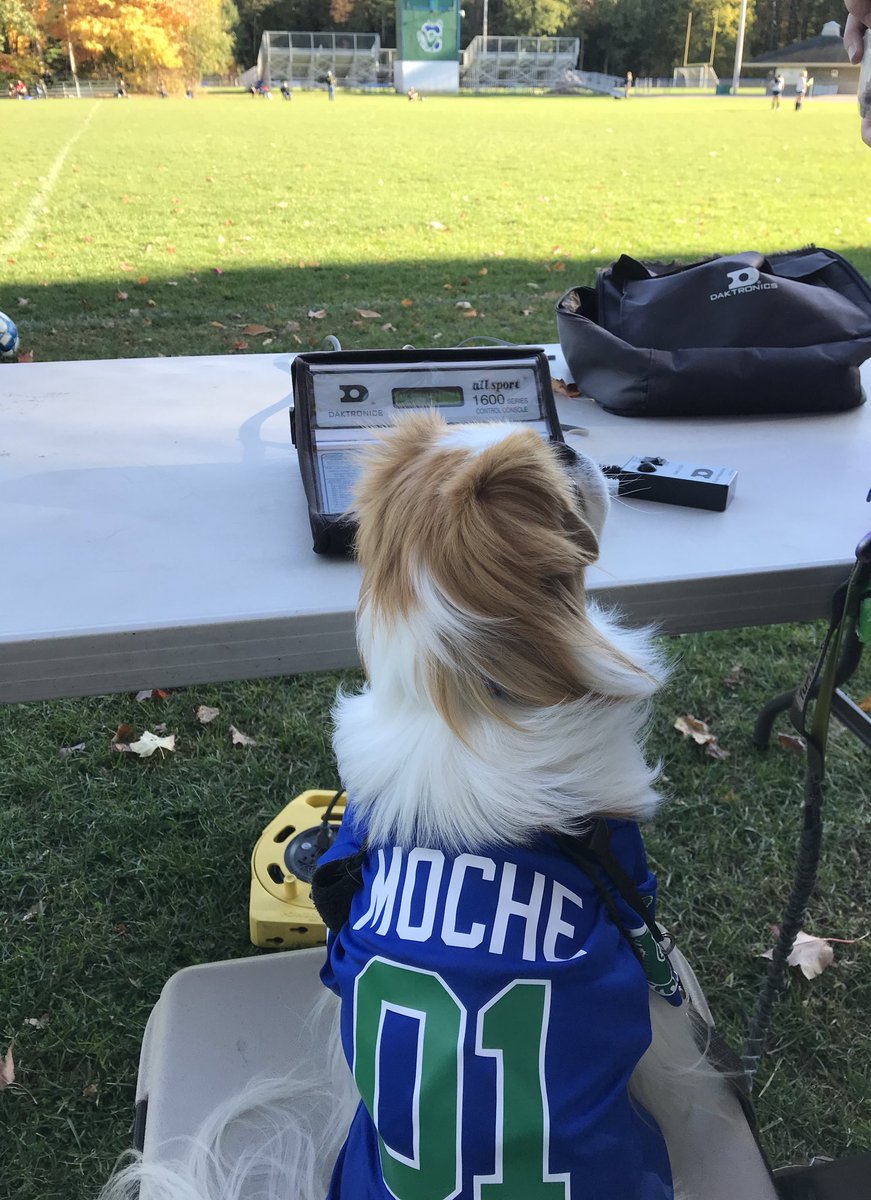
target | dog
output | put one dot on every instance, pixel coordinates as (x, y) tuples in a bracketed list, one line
[(502, 1039)]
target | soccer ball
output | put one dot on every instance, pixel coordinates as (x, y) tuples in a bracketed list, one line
[(8, 337)]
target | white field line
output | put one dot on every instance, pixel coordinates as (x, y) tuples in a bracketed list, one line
[(22, 233)]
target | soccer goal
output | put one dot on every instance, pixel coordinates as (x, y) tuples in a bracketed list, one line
[(696, 75)]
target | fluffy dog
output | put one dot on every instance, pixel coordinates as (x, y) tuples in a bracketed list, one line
[(503, 1039)]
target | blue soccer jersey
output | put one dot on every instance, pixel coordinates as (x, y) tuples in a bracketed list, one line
[(492, 1014)]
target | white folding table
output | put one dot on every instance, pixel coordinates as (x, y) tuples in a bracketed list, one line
[(153, 526)]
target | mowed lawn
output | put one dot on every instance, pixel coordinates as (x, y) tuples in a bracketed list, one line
[(239, 210), (154, 227)]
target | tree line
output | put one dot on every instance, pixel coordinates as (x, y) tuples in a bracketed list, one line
[(189, 38)]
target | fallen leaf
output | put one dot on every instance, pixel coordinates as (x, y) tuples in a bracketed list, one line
[(791, 741), (23, 302), (239, 346), (557, 266), (26, 357), (35, 1022), (470, 312), (35, 910), (388, 328), (151, 303), (407, 303), (735, 677), (149, 742), (218, 325), (865, 704), (437, 226), (317, 314), (7, 1069), (122, 296), (462, 304), (66, 751), (120, 930), (561, 387), (810, 954), (293, 326), (170, 249), (205, 714), (240, 739), (701, 735), (90, 1092), (217, 270), (256, 330), (126, 266), (122, 735), (484, 271), (368, 313), (142, 280), (152, 694)]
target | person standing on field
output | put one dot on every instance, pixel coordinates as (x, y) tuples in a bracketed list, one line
[(800, 90), (776, 90)]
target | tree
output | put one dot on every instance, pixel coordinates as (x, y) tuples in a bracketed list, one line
[(535, 18)]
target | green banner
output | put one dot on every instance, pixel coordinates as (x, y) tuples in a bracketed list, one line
[(428, 31)]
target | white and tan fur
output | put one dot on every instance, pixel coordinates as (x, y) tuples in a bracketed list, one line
[(505, 703)]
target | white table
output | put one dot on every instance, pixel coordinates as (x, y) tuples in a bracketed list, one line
[(153, 527)]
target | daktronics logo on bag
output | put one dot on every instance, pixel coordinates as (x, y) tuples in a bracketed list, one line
[(745, 280)]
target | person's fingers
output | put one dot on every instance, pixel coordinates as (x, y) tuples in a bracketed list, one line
[(854, 35)]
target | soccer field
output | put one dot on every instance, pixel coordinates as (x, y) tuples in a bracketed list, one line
[(147, 227), (130, 227)]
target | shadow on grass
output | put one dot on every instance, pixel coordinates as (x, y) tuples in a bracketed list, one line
[(435, 302)]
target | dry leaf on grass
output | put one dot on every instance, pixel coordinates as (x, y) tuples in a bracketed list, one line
[(317, 314), (7, 1069), (66, 751), (865, 704), (152, 694), (149, 742), (240, 739), (144, 746), (700, 733), (735, 677), (812, 954), (206, 714), (369, 313), (791, 741), (256, 330)]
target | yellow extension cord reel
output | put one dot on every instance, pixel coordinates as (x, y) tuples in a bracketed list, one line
[(280, 911)]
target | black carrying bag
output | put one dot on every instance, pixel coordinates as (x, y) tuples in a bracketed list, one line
[(741, 333)]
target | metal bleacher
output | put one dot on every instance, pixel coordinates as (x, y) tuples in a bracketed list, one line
[(517, 63), (356, 59)]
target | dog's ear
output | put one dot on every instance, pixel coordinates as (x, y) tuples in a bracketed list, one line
[(512, 550)]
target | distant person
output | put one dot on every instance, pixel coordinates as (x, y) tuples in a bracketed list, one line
[(858, 20), (331, 84), (40, 90), (20, 90), (285, 90), (776, 90), (413, 93), (121, 90), (189, 93), (161, 88), (801, 90), (630, 81)]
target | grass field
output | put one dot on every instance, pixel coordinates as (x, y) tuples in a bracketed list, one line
[(146, 227)]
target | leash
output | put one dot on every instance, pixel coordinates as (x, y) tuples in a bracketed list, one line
[(851, 607)]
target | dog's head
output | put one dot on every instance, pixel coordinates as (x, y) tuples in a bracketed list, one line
[(474, 540)]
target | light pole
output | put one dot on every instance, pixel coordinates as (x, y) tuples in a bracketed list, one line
[(739, 48), (70, 49), (484, 28)]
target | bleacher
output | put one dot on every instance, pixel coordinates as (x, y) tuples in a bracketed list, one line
[(356, 59), (524, 63)]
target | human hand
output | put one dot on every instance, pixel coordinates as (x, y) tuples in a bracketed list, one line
[(858, 20)]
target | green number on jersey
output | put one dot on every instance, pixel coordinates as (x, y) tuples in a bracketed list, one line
[(512, 1028)]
